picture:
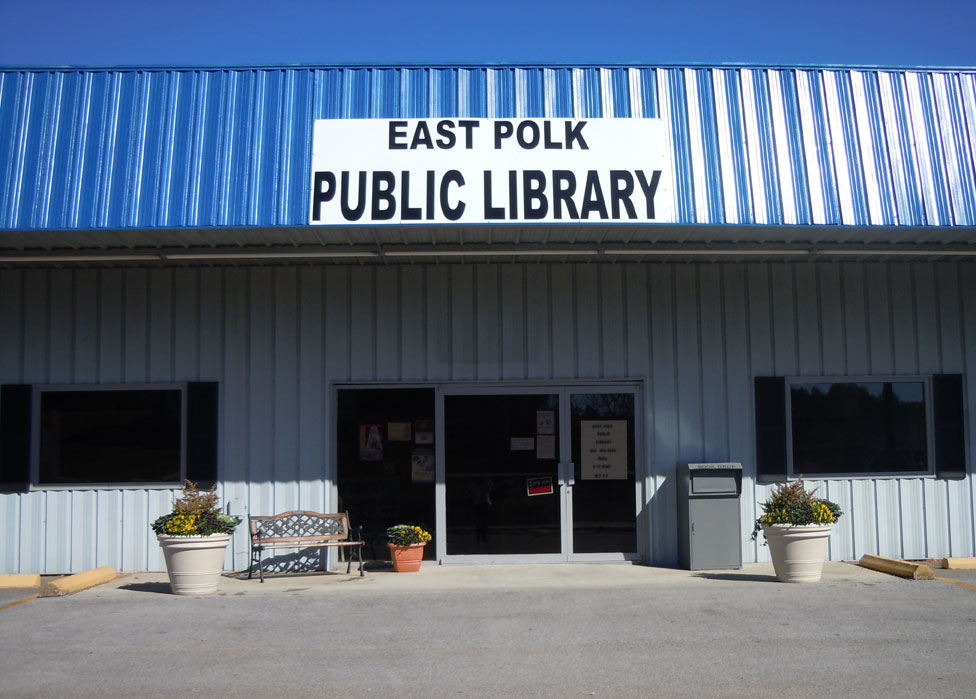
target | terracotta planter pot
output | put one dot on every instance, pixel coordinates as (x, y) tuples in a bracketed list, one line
[(406, 559), (194, 563), (798, 552)]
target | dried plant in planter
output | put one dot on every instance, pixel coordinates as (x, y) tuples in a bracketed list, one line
[(195, 513)]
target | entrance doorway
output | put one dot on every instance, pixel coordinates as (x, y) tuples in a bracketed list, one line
[(544, 473), (497, 472), (385, 461)]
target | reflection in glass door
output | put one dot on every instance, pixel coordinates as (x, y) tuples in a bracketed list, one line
[(544, 471), (604, 473), (501, 471)]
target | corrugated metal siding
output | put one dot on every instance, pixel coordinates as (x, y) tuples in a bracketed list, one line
[(276, 337), (199, 148)]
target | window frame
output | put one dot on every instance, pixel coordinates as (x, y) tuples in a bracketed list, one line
[(930, 454), (35, 435)]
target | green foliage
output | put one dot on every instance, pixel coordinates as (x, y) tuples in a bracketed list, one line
[(407, 534), (195, 513), (792, 503)]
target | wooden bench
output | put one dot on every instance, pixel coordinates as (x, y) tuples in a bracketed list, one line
[(302, 529)]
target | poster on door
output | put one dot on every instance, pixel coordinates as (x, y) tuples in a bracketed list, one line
[(603, 446), (371, 442), (422, 466)]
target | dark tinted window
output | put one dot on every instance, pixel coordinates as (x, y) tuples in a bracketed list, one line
[(859, 427), (386, 462), (110, 436), (603, 516), (491, 455)]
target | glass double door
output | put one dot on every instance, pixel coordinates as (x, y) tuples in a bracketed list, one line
[(539, 473)]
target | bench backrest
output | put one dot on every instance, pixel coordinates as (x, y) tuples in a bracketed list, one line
[(300, 523)]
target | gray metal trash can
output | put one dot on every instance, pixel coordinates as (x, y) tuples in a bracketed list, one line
[(709, 525)]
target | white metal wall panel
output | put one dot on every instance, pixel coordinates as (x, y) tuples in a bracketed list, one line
[(586, 300), (962, 533), (663, 413), (562, 348), (277, 337), (613, 321), (638, 363)]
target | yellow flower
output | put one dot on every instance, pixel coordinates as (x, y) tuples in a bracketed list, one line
[(182, 524)]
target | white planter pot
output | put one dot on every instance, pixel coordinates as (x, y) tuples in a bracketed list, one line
[(194, 563), (798, 552)]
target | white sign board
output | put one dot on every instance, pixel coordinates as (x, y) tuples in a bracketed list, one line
[(458, 171), (523, 443), (603, 444)]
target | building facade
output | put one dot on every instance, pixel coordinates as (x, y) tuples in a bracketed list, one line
[(807, 306)]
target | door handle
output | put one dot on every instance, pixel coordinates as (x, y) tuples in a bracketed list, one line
[(567, 477)]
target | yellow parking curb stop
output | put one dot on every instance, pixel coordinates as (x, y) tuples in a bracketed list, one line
[(80, 581), (20, 580), (894, 566), (959, 563)]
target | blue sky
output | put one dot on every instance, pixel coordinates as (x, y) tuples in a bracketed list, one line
[(936, 33)]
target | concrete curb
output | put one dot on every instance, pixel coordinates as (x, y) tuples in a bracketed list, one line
[(959, 563), (20, 580), (78, 582), (894, 566)]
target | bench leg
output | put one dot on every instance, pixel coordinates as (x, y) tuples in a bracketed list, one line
[(256, 559), (359, 551)]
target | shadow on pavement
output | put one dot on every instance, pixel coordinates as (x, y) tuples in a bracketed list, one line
[(738, 577), (157, 587)]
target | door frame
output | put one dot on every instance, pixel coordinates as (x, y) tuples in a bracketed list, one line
[(562, 387), (565, 475), (640, 466), (440, 492)]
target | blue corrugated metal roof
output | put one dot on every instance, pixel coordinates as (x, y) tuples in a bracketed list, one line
[(177, 148)]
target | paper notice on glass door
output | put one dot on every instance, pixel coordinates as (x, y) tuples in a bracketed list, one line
[(603, 446), (523, 443), (545, 446), (545, 421)]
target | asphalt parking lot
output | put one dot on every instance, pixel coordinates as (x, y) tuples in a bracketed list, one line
[(535, 631), (965, 577)]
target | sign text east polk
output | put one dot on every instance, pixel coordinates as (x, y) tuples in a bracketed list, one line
[(369, 171)]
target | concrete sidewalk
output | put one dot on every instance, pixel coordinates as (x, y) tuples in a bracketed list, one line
[(433, 578)]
